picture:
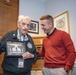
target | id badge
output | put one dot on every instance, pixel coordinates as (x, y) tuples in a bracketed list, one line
[(20, 63)]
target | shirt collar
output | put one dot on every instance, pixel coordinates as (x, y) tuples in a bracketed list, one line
[(51, 32), (20, 37)]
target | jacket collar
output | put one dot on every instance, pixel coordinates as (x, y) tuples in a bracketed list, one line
[(16, 35)]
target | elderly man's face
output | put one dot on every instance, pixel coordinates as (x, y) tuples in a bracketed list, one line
[(24, 26)]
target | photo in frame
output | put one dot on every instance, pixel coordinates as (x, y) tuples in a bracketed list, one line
[(15, 48), (61, 22), (34, 27)]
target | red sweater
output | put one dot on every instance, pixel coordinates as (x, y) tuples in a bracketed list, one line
[(58, 50)]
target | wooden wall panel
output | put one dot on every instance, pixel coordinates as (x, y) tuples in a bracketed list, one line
[(8, 19), (38, 65), (8, 15), (1, 59)]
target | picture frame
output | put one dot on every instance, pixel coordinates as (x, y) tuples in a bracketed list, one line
[(61, 22), (34, 27), (15, 48)]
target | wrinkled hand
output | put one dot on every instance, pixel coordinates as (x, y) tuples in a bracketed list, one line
[(27, 55)]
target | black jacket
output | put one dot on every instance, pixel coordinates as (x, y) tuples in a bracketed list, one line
[(11, 63)]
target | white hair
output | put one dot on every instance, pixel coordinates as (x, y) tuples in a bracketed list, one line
[(22, 17)]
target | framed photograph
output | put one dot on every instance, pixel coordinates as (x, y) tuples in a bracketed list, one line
[(15, 48), (61, 22), (34, 27)]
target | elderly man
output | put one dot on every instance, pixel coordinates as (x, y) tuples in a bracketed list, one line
[(14, 65)]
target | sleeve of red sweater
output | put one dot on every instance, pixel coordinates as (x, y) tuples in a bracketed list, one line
[(70, 50), (41, 52)]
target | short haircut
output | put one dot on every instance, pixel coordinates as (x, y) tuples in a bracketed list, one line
[(47, 17)]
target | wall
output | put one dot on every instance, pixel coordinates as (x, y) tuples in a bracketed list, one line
[(8, 16), (34, 9)]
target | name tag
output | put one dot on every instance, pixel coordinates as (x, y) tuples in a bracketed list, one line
[(20, 63)]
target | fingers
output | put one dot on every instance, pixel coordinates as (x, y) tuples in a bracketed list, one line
[(27, 55)]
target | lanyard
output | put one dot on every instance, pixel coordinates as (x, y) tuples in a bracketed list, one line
[(23, 38)]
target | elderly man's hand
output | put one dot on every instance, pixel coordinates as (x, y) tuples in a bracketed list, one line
[(27, 55)]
